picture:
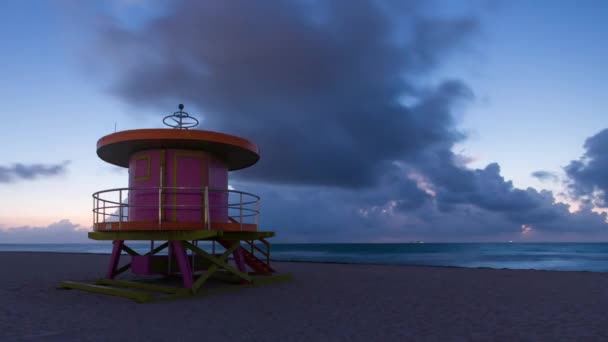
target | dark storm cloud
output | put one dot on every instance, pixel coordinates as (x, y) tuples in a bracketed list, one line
[(486, 189), (316, 84), (489, 190), (588, 175), (495, 200), (545, 176), (312, 214), (18, 171)]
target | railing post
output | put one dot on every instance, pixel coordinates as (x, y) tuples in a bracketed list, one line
[(241, 209), (120, 209), (257, 212), (94, 211), (207, 218), (160, 206), (160, 193)]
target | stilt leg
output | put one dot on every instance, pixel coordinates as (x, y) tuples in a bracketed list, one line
[(239, 259), (115, 258), (182, 261)]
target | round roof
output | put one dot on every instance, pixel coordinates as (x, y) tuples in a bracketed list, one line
[(236, 152)]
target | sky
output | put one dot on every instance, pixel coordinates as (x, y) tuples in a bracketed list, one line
[(378, 121)]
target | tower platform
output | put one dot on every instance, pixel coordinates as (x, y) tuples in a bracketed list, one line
[(194, 270)]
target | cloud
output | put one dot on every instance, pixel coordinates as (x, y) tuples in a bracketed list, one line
[(315, 84), (312, 214), (543, 176), (398, 210), (18, 171), (62, 231), (587, 175), (320, 86)]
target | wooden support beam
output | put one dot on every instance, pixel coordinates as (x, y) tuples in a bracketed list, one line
[(270, 279), (203, 278), (158, 249), (122, 269), (218, 262), (226, 277), (139, 286), (129, 250), (137, 296), (171, 293), (263, 280)]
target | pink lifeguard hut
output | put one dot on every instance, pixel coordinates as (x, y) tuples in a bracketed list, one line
[(178, 196)]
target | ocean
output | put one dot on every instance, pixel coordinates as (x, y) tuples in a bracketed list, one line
[(541, 256)]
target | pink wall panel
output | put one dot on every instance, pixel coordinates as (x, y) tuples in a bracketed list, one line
[(182, 168), (218, 179), (144, 171), (186, 169)]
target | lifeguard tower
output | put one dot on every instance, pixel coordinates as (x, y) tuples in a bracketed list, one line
[(178, 197)]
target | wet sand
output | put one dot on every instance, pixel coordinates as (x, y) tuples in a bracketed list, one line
[(324, 302)]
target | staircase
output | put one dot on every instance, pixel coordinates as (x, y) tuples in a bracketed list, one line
[(258, 266)]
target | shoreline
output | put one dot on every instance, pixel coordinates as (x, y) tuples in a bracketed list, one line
[(346, 263)]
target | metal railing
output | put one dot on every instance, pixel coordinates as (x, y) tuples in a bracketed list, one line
[(264, 252), (113, 205)]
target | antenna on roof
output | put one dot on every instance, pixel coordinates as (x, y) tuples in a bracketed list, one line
[(180, 119)]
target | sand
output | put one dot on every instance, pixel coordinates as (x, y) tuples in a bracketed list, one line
[(324, 302)]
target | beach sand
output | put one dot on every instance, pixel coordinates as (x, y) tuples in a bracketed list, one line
[(324, 302)]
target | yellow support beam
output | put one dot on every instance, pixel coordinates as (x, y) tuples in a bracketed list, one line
[(140, 286), (139, 297), (218, 262)]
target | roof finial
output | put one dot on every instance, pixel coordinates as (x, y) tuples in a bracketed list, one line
[(181, 119)]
